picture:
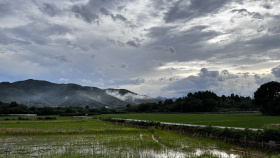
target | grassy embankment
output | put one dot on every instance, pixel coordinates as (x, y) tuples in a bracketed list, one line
[(76, 137), (227, 120)]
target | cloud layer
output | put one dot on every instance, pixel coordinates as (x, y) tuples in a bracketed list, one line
[(157, 48)]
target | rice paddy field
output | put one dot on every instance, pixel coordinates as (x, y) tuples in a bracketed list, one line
[(71, 137), (227, 120)]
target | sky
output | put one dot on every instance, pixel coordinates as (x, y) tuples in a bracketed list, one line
[(162, 48)]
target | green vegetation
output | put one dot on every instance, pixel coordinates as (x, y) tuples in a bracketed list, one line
[(266, 100), (246, 138), (267, 97), (65, 136), (63, 125), (201, 101), (15, 108), (80, 137), (33, 118), (227, 120)]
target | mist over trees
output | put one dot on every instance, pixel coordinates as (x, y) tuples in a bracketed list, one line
[(201, 101), (266, 100)]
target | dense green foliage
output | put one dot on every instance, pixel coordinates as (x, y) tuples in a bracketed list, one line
[(227, 120), (267, 97), (202, 101), (14, 108)]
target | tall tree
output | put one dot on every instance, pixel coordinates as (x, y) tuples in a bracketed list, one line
[(267, 97)]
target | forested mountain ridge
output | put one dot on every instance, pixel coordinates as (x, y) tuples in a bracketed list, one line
[(43, 93)]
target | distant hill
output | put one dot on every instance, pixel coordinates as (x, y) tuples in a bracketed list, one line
[(43, 93)]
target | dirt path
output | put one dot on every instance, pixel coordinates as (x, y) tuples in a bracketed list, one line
[(156, 140)]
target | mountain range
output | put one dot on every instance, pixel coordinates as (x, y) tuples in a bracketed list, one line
[(43, 93)]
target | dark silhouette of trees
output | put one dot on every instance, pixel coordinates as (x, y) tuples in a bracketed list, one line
[(267, 97), (13, 108), (201, 101)]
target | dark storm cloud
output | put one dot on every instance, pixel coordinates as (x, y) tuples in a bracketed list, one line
[(173, 78), (196, 8), (195, 83), (117, 4), (38, 33), (90, 11), (143, 40), (276, 71), (131, 81), (116, 42), (61, 58), (245, 12), (6, 39), (170, 50), (186, 42), (104, 11), (30, 33), (170, 35), (266, 42), (86, 13), (273, 30), (54, 29), (159, 32), (267, 6), (205, 80), (123, 66), (134, 81), (225, 75), (260, 80), (120, 17), (50, 9), (77, 46), (204, 72), (132, 43), (5, 9)]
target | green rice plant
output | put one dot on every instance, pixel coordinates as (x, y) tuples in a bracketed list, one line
[(227, 120), (91, 137)]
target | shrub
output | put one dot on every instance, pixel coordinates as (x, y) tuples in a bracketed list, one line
[(40, 118), (21, 118), (50, 118)]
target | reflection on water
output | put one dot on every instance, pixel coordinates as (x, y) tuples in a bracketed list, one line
[(167, 153), (217, 153), (91, 147)]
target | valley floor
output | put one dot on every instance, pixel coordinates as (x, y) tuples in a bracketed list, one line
[(81, 137)]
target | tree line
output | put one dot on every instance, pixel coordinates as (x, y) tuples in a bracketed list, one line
[(15, 108), (201, 101)]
